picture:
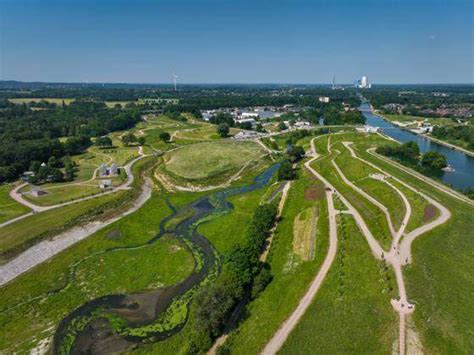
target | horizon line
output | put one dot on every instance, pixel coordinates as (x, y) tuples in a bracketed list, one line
[(221, 83)]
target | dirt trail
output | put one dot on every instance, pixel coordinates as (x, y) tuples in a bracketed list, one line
[(290, 323), (287, 327), (398, 255), (284, 195)]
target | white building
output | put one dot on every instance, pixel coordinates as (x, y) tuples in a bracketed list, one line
[(324, 99), (363, 83), (243, 120), (249, 115), (368, 129), (105, 183)]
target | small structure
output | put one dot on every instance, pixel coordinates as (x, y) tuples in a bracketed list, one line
[(368, 129), (249, 115), (324, 99), (106, 171), (247, 135), (114, 169), (27, 175), (301, 124), (105, 183), (37, 191)]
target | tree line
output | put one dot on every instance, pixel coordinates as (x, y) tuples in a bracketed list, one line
[(409, 153), (29, 136), (243, 276)]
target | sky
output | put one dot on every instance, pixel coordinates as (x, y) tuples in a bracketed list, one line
[(240, 41)]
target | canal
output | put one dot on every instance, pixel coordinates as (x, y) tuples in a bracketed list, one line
[(463, 175)]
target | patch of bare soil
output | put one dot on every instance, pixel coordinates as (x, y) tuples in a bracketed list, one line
[(315, 192), (429, 213)]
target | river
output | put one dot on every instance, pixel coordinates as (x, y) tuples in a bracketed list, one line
[(463, 175)]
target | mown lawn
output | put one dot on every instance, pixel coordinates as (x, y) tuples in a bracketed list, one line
[(351, 313), (9, 208), (162, 263)]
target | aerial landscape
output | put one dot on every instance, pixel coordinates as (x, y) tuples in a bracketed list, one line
[(232, 177)]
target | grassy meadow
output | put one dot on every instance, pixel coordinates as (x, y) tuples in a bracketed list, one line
[(91, 269), (210, 161), (264, 315), (9, 208), (351, 313)]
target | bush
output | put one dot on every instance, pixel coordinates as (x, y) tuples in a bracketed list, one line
[(286, 171)]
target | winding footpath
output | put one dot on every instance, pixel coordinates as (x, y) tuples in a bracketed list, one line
[(18, 196), (279, 338), (46, 249), (398, 255)]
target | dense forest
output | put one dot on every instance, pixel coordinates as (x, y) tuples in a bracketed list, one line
[(29, 136)]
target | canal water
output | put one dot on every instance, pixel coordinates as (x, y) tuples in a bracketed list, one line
[(463, 175)]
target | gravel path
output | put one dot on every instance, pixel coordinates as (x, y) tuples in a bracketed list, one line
[(48, 248), (397, 256)]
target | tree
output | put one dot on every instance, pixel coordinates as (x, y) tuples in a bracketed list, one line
[(259, 128), (295, 153), (56, 175), (222, 117), (246, 125), (223, 129), (54, 163), (141, 140), (434, 160), (282, 126), (69, 171), (286, 171), (164, 136), (35, 166), (103, 141), (261, 280), (128, 139)]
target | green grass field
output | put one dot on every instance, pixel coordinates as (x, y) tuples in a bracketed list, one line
[(351, 313), (373, 216), (9, 208), (206, 161), (61, 193), (442, 260), (162, 263), (265, 314), (45, 223), (57, 101)]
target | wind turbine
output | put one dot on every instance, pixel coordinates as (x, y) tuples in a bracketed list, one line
[(174, 81)]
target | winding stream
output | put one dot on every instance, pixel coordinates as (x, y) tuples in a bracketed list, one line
[(115, 323)]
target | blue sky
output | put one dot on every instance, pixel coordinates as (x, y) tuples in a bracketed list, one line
[(220, 41)]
